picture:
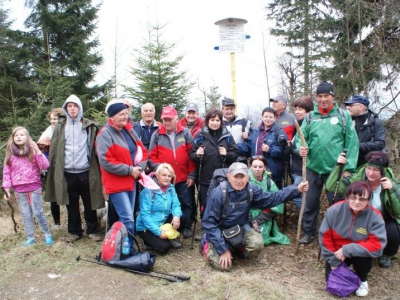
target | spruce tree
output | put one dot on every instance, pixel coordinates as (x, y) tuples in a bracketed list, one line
[(158, 77)]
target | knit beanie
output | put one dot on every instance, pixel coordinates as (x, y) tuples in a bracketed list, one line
[(115, 108), (325, 88)]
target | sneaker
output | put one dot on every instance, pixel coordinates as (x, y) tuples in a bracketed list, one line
[(187, 233), (28, 242), (72, 238), (175, 244), (95, 237), (48, 240), (56, 226), (362, 290), (385, 261), (306, 239), (198, 237)]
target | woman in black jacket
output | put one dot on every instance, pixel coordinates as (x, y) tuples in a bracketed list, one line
[(213, 148)]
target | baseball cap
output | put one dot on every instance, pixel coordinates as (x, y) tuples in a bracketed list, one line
[(192, 106), (238, 168), (279, 97), (358, 99), (228, 102), (168, 112)]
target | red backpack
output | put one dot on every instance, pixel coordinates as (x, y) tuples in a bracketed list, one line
[(112, 244)]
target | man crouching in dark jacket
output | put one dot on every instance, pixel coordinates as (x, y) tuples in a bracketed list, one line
[(238, 190)]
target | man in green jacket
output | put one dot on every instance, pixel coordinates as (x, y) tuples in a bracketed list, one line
[(74, 170), (327, 131)]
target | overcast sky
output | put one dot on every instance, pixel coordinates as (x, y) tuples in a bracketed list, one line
[(189, 24)]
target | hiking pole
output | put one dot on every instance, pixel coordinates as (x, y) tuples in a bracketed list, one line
[(11, 207), (381, 167), (303, 197), (339, 178), (197, 200), (169, 277)]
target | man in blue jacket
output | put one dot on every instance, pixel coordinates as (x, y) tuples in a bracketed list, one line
[(216, 250)]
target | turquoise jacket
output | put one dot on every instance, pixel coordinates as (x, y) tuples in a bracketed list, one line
[(325, 140), (155, 207)]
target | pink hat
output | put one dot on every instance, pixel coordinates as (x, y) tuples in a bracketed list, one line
[(169, 112)]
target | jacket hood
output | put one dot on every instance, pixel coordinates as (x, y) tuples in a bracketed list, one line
[(77, 101)]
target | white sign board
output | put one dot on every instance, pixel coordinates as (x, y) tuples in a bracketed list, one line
[(231, 37)]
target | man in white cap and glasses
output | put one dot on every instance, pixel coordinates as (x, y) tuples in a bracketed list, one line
[(284, 119), (192, 120), (228, 207)]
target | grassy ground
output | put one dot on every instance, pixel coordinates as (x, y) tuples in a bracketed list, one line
[(41, 272)]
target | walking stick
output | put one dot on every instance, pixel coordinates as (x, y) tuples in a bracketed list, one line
[(197, 200), (160, 275), (303, 197), (339, 177), (390, 199), (11, 207)]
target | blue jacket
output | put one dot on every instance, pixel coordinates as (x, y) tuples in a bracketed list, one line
[(155, 207), (275, 154), (238, 210)]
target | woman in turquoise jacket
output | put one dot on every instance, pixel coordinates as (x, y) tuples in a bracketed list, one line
[(385, 197), (158, 207)]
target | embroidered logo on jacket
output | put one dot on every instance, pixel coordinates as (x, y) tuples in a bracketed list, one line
[(362, 230)]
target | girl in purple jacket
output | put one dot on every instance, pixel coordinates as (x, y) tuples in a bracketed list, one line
[(21, 172)]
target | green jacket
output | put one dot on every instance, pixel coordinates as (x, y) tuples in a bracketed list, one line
[(387, 196), (325, 140), (56, 184)]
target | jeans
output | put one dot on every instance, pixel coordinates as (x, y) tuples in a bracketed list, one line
[(30, 204), (296, 180), (124, 204), (185, 195), (78, 185), (311, 211)]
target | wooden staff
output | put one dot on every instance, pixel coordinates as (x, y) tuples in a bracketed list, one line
[(303, 197)]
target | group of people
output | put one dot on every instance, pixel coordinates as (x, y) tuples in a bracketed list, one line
[(163, 163)]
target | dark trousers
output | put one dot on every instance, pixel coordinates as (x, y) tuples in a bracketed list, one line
[(55, 212), (203, 198), (78, 185), (362, 266), (185, 195), (316, 182), (155, 242), (393, 238)]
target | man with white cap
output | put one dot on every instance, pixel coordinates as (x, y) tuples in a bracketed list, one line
[(284, 120), (370, 130), (192, 120), (171, 144), (231, 202)]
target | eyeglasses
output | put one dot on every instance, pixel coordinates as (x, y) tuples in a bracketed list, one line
[(354, 198)]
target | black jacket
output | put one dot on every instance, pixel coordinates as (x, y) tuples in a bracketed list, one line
[(212, 160), (371, 134)]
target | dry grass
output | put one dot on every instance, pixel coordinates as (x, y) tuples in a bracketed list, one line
[(276, 274)]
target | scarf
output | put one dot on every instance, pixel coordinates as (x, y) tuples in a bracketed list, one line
[(20, 152)]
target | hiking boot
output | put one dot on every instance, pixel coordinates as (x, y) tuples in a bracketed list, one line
[(175, 244), (48, 240), (187, 233), (28, 242), (72, 238), (95, 237), (306, 239), (56, 226), (385, 261), (198, 237), (362, 290)]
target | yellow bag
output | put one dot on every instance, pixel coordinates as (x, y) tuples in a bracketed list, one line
[(169, 231)]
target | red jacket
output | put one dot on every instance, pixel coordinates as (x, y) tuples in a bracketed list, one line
[(115, 159), (198, 125), (177, 154)]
